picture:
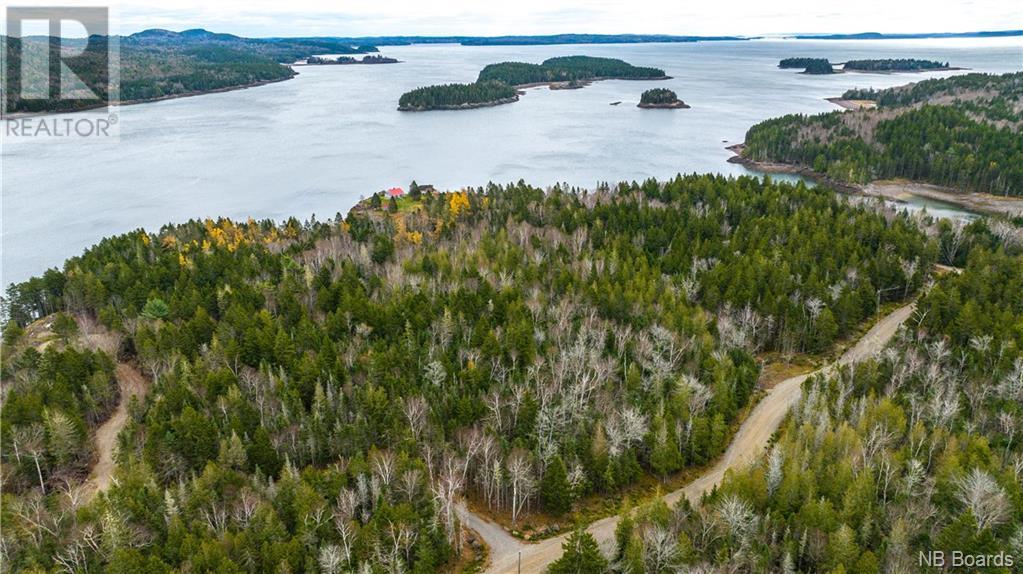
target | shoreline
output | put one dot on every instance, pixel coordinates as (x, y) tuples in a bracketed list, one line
[(891, 189), (842, 70), (676, 105), (853, 104), (19, 115), (559, 84), (452, 108), (892, 72), (352, 63), (306, 64)]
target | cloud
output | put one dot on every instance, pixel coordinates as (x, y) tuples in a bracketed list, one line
[(472, 17)]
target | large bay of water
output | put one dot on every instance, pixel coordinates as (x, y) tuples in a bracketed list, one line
[(316, 144)]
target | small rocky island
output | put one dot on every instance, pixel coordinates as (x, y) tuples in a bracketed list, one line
[(661, 98), (500, 83), (348, 60)]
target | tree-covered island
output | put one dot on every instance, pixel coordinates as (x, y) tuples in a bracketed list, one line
[(795, 63), (457, 96), (567, 72), (883, 65), (661, 98), (566, 69), (814, 66), (348, 60), (895, 65)]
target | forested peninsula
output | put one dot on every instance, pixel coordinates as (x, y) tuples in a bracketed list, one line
[(962, 132), (322, 393), (161, 64), (559, 73)]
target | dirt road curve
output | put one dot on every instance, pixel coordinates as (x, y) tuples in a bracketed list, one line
[(749, 442), (132, 384), (499, 542)]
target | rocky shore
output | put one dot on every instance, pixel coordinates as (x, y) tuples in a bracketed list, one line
[(676, 105), (853, 104), (575, 84)]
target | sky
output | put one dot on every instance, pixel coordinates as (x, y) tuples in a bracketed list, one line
[(256, 18)]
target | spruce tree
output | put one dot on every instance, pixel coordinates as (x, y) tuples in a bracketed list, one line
[(582, 556), (555, 490)]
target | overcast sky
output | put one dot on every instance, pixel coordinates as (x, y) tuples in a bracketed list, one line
[(490, 17)]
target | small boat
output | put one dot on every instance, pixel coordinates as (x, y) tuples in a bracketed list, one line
[(615, 103)]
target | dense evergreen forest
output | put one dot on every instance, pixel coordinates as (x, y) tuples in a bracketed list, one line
[(788, 63), (457, 96), (894, 65), (809, 65), (661, 98), (159, 63), (323, 392), (496, 82), (658, 96), (962, 132), (819, 67), (915, 451), (998, 94)]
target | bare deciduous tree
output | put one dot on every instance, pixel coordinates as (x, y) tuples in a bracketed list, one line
[(660, 550), (739, 517), (775, 470), (522, 482), (446, 488), (330, 559), (981, 494), (416, 411), (625, 427), (954, 242)]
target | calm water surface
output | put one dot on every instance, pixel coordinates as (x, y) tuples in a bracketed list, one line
[(320, 142)]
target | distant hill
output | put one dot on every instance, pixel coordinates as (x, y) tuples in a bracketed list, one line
[(591, 39), (554, 39), (880, 36), (547, 40), (280, 49)]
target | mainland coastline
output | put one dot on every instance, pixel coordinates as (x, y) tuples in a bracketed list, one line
[(220, 90), (898, 190)]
